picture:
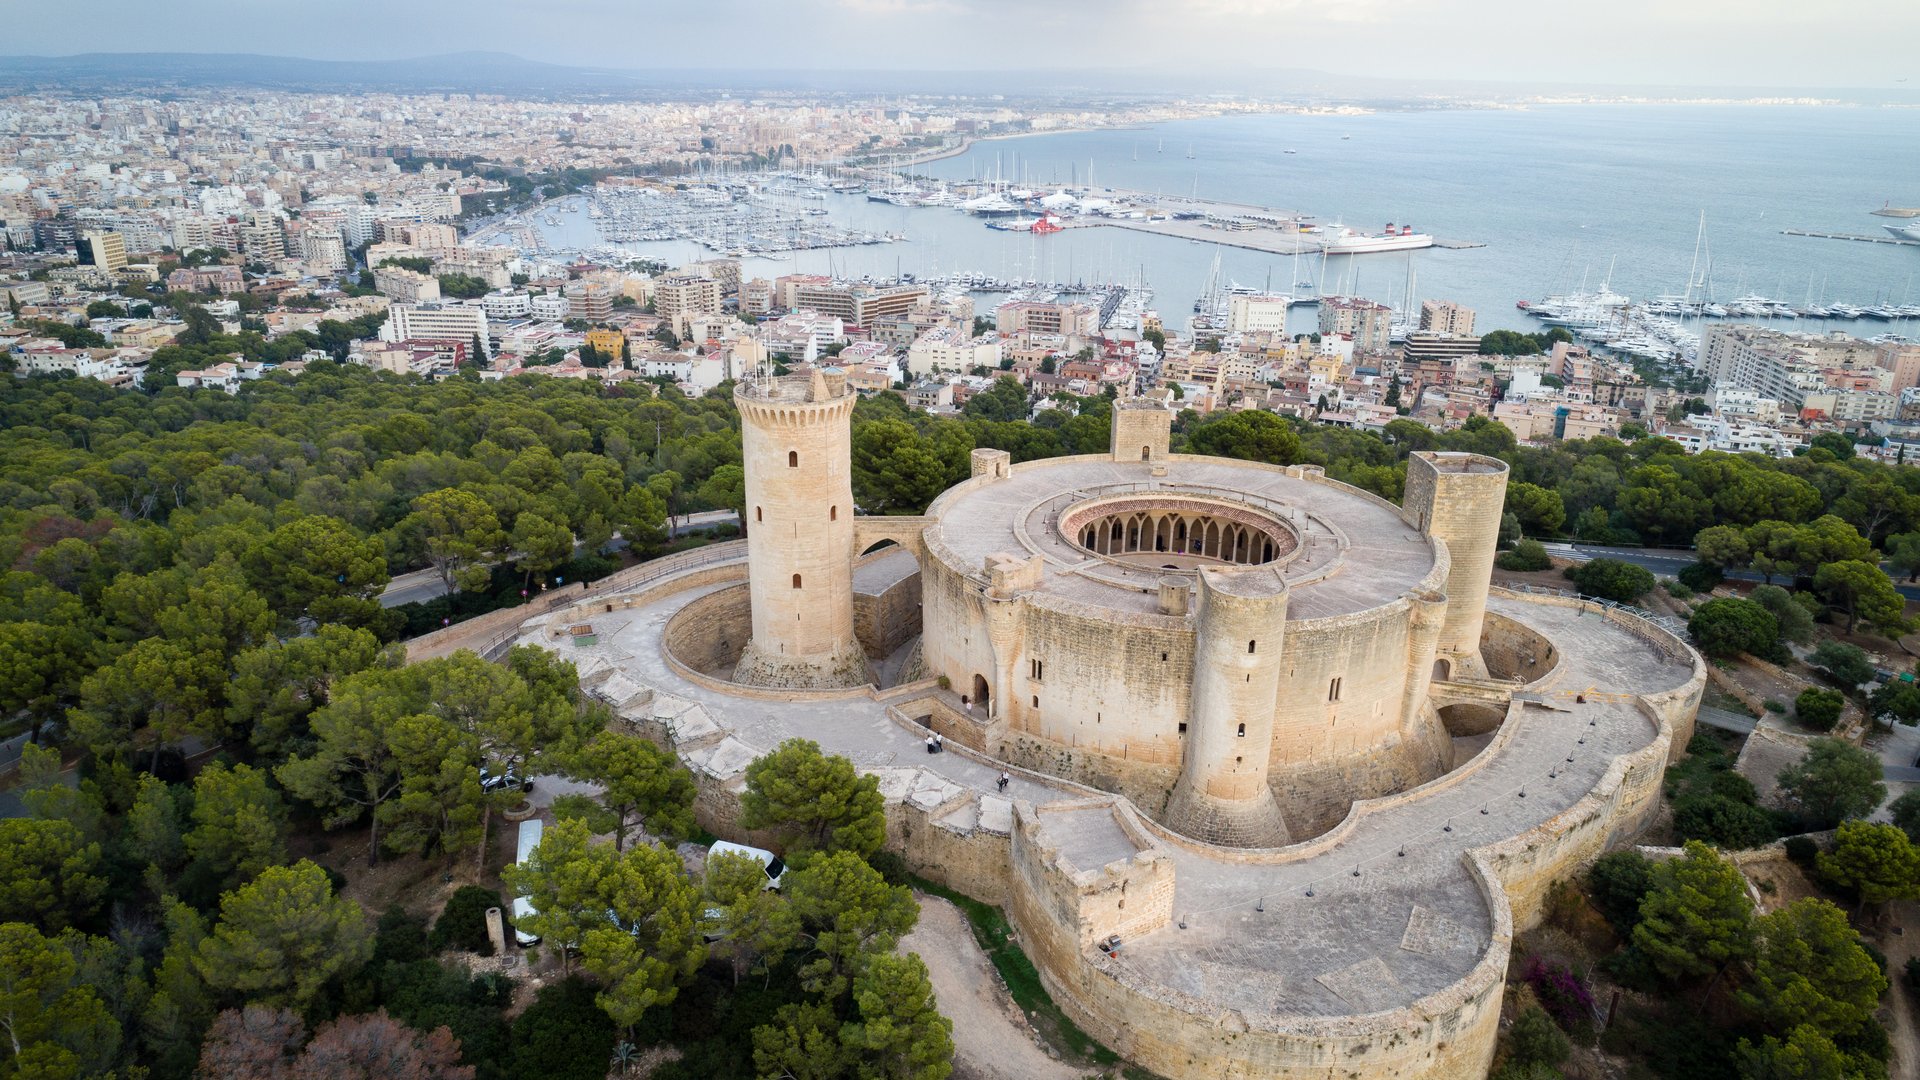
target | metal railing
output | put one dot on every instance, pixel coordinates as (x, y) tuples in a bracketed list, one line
[(1665, 622), (495, 645)]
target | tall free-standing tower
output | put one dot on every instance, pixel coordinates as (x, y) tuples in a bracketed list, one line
[(1458, 498), (796, 436)]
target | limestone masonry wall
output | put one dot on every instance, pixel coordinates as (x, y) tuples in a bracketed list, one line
[(885, 622)]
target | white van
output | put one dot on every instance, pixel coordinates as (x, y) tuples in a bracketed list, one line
[(768, 860), (530, 831)]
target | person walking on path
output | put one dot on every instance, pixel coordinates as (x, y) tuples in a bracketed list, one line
[(1003, 782)]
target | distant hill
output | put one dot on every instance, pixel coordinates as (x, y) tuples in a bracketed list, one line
[(504, 73), (454, 72)]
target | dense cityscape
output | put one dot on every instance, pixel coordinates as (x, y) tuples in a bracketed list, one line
[(504, 584)]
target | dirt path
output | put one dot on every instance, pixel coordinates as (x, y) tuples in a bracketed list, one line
[(1901, 1026), (991, 1040)]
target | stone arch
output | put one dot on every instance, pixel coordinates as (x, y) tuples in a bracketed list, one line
[(1442, 669), (982, 695)]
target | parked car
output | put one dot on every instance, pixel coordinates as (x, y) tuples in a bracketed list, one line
[(490, 783), (768, 860)]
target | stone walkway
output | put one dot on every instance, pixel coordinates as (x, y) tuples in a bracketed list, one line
[(1412, 922)]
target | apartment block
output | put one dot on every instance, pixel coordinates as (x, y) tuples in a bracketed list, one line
[(1446, 318)]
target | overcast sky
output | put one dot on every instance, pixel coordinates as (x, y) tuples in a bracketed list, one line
[(1846, 43)]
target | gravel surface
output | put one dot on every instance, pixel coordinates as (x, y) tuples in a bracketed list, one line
[(991, 1040)]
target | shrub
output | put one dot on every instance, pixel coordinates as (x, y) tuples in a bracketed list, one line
[(1818, 709), (400, 938), (1612, 579), (463, 922), (1728, 626), (1913, 972), (426, 994), (1526, 556), (1677, 590), (1802, 850), (1844, 665), (1536, 1040), (1722, 821), (1701, 577), (1618, 882), (563, 1035), (1561, 993), (1773, 706)]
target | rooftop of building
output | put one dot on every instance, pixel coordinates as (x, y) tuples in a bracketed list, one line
[(1355, 552)]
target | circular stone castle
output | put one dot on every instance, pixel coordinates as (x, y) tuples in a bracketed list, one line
[(1287, 774)]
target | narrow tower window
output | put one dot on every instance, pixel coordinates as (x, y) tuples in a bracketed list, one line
[(796, 581), (756, 513), (1242, 733), (1333, 690), (793, 459), (1146, 453), (1250, 647), (833, 513)]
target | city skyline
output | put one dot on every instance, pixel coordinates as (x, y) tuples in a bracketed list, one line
[(1768, 43)]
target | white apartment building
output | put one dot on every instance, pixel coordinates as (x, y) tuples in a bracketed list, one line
[(948, 348), (405, 286), (326, 251), (446, 322), (226, 376), (502, 306), (552, 307), (802, 335), (1249, 314)]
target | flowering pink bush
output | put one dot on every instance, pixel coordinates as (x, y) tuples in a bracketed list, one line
[(1560, 991)]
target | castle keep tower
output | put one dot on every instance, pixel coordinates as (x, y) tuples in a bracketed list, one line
[(796, 436), (1458, 498), (1142, 431), (1222, 795)]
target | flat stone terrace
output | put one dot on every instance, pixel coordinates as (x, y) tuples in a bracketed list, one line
[(1357, 554), (1408, 925)]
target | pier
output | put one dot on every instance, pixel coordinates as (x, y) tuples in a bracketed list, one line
[(1882, 239), (1266, 240)]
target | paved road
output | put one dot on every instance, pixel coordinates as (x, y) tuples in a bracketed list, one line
[(420, 586), (1668, 562), (417, 587)]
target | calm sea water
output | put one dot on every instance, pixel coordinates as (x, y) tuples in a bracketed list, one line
[(1557, 194)]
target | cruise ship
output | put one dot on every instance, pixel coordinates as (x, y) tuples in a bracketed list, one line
[(1353, 242), (1904, 232)]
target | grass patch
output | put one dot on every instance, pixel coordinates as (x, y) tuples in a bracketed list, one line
[(990, 929), (1716, 698)]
